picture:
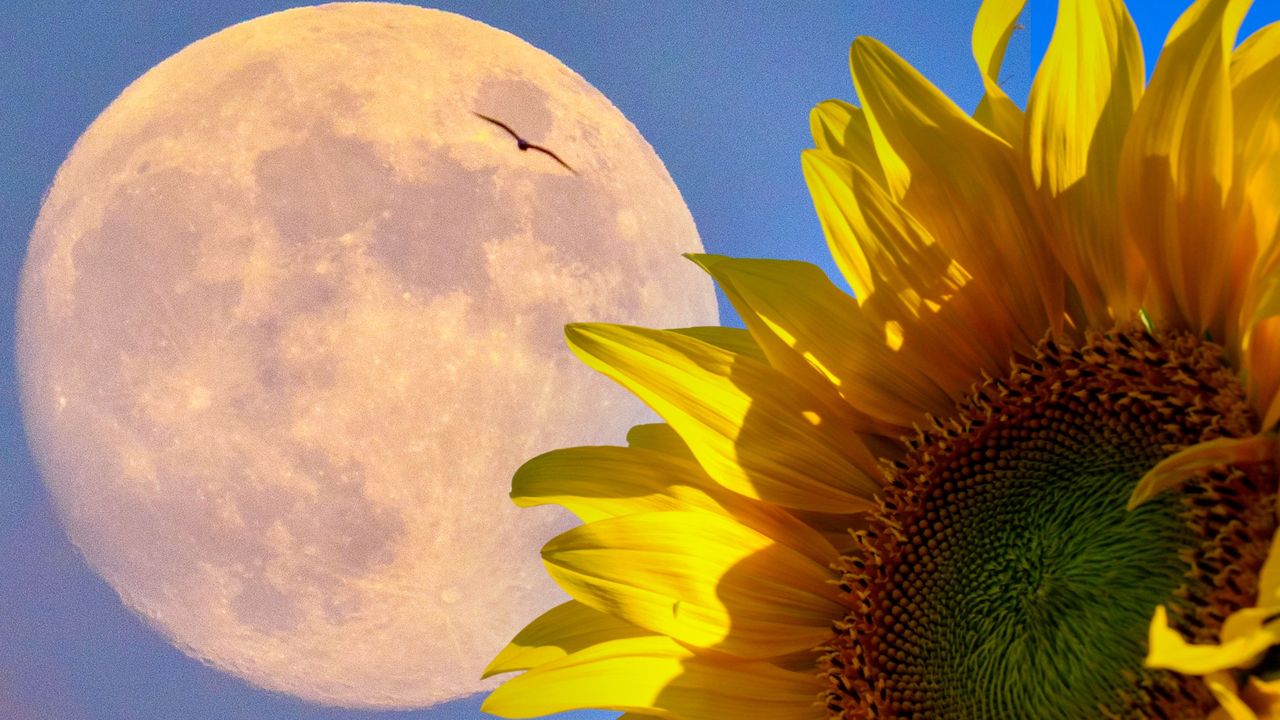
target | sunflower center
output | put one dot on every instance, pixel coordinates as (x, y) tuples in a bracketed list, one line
[(1003, 577)]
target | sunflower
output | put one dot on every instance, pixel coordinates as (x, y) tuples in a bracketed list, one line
[(1027, 471)]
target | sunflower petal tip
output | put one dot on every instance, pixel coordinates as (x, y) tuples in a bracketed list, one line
[(1139, 496), (1186, 463), (816, 112), (1156, 634), (706, 261), (865, 43), (492, 707), (579, 330), (810, 158)]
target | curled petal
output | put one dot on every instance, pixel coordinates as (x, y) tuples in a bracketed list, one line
[(1184, 464), (1230, 705), (1167, 649)]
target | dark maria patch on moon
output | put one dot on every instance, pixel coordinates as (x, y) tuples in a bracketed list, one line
[(520, 104), (432, 235), (578, 222), (583, 223), (323, 187), (136, 289)]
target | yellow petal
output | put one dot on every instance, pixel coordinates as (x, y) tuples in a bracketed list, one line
[(828, 177), (735, 340), (657, 677), (961, 182), (1261, 362), (996, 22), (1255, 75), (1081, 102), (1259, 176), (596, 483), (837, 529), (1167, 649), (802, 661), (1267, 301), (907, 283), (790, 308), (1186, 463), (1176, 174), (1260, 699), (841, 129), (660, 437), (1245, 622), (700, 578), (563, 630), (1231, 706), (1263, 698), (1269, 577), (752, 430)]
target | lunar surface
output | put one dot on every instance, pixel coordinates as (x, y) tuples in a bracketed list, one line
[(292, 315)]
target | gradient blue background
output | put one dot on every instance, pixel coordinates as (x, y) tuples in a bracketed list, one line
[(722, 93)]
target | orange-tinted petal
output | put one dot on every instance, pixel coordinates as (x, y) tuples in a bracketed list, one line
[(1185, 463), (1255, 76), (1176, 175), (908, 285), (962, 183), (1081, 102)]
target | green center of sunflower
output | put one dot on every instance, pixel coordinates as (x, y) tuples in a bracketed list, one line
[(1003, 577)]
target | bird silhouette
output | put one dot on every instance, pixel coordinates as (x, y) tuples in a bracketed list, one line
[(525, 144)]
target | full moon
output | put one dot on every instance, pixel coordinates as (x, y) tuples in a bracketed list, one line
[(292, 315)]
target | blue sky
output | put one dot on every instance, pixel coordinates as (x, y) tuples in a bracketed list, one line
[(723, 96)]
